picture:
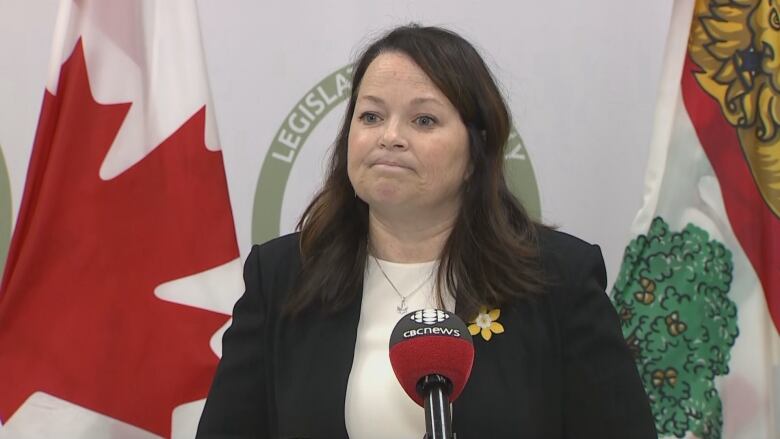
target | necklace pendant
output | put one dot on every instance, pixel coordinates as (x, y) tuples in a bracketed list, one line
[(402, 307)]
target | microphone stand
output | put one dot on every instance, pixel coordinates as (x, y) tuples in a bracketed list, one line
[(435, 390)]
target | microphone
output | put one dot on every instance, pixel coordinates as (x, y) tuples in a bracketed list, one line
[(432, 353)]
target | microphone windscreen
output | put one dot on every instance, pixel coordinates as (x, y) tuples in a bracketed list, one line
[(427, 342)]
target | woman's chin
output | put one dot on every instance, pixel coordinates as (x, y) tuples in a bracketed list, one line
[(386, 202), (386, 198)]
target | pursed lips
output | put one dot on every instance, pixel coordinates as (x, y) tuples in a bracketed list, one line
[(389, 163)]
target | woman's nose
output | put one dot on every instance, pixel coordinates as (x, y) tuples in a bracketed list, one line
[(393, 136)]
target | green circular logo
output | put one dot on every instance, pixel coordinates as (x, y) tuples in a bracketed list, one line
[(5, 212), (299, 124)]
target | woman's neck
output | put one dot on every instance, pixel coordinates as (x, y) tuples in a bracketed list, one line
[(407, 241)]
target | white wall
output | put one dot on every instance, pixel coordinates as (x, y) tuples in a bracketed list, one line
[(581, 79)]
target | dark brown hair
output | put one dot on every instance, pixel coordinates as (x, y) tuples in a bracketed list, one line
[(490, 256)]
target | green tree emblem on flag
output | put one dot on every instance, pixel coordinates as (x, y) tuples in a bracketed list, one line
[(672, 299)]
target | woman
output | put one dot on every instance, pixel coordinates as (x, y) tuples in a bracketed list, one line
[(416, 213)]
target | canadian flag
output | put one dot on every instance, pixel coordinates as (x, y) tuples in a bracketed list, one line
[(699, 290), (123, 265)]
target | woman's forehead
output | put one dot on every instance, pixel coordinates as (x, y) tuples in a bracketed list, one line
[(394, 72), (390, 67)]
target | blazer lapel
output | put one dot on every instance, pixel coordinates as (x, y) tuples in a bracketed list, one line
[(314, 360)]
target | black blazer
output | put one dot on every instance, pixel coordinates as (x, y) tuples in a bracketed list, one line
[(561, 369)]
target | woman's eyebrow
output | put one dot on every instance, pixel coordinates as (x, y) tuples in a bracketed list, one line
[(426, 100)]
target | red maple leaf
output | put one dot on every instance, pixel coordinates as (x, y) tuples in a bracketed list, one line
[(78, 318)]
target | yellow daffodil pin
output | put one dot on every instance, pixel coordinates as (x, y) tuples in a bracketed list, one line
[(486, 323)]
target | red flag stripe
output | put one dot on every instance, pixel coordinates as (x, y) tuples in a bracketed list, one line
[(757, 229)]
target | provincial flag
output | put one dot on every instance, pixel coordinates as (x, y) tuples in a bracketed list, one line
[(698, 294), (123, 265)]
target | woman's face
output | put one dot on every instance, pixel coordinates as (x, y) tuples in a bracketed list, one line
[(408, 148)]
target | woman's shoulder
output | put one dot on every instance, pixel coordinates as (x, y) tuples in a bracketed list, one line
[(567, 256), (283, 243), (271, 268), (283, 251), (552, 241)]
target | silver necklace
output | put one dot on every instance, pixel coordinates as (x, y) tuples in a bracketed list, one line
[(401, 308)]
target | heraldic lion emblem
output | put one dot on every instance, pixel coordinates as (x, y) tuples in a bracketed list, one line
[(736, 43)]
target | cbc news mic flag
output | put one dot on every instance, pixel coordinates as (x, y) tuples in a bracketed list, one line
[(123, 264), (699, 290)]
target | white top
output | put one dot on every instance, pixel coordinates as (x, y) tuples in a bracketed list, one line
[(376, 406)]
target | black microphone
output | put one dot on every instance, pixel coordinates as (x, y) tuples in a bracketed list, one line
[(432, 353)]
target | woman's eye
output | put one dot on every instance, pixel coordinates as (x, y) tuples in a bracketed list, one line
[(369, 117), (426, 121)]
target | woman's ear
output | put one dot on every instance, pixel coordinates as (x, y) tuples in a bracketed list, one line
[(469, 171)]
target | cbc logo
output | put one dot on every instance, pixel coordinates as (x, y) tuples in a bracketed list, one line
[(429, 316)]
